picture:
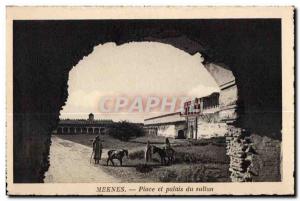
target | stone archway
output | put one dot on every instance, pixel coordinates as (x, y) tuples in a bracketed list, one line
[(41, 66), (180, 134)]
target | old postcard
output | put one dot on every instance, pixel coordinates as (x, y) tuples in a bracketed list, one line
[(185, 101)]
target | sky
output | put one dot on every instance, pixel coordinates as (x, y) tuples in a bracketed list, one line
[(135, 81)]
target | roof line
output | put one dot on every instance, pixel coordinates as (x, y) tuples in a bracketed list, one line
[(165, 115)]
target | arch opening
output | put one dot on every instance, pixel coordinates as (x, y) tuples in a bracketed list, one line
[(215, 50)]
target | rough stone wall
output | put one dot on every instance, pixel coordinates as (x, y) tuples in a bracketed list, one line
[(239, 150)]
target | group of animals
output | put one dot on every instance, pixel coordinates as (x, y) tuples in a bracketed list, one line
[(167, 156)]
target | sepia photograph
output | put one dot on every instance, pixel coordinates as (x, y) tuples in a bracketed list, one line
[(150, 101)]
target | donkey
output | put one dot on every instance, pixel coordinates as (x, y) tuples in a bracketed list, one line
[(164, 154), (116, 154)]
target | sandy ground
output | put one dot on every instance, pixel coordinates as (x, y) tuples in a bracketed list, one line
[(70, 163)]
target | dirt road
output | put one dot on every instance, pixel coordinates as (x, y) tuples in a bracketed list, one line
[(70, 163)]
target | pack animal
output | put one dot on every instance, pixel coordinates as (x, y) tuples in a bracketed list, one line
[(116, 154), (164, 154)]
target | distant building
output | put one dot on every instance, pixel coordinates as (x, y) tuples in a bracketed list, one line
[(83, 126), (169, 125), (203, 118), (200, 119)]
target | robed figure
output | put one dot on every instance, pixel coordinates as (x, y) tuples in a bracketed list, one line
[(97, 149), (148, 152)]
